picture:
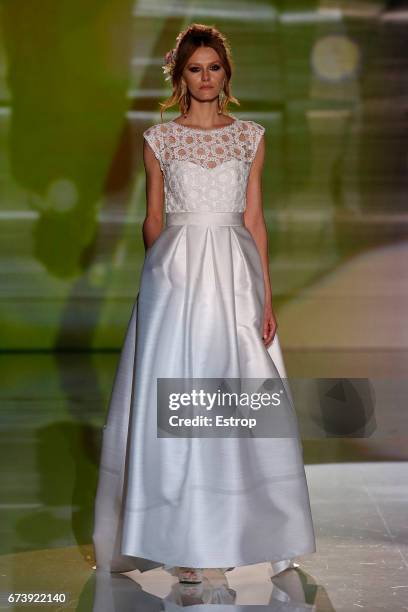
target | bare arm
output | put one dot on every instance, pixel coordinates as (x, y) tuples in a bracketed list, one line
[(153, 223), (255, 223), (253, 215)]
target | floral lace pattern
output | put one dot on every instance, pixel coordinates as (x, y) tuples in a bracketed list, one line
[(205, 169)]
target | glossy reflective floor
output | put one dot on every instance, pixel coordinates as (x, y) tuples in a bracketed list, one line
[(50, 439), (360, 514)]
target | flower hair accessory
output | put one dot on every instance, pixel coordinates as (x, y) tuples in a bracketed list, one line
[(170, 60)]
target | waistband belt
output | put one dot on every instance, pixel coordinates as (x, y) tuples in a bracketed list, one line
[(204, 218)]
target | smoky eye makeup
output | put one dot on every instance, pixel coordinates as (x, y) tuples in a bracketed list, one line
[(195, 68)]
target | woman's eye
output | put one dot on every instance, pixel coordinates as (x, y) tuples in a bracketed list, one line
[(195, 68)]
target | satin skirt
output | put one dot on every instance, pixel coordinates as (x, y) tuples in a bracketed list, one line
[(197, 502)]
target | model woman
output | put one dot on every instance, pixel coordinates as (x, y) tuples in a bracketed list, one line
[(204, 310)]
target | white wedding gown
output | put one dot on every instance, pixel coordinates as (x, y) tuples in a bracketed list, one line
[(198, 502)]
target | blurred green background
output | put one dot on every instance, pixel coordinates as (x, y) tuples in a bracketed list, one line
[(79, 83)]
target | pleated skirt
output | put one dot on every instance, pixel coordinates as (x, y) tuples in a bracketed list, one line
[(197, 502)]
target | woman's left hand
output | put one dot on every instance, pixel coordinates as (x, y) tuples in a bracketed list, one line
[(269, 324)]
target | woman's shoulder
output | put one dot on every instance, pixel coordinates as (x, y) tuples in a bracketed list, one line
[(155, 136), (255, 127), (157, 129), (254, 132)]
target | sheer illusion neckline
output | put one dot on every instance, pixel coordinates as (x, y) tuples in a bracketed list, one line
[(195, 129)]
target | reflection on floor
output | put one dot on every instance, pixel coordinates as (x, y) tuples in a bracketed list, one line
[(52, 410), (359, 512), (64, 571)]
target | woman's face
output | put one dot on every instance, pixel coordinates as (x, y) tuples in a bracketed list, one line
[(204, 74)]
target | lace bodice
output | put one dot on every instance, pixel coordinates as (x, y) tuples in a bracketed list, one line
[(205, 169)]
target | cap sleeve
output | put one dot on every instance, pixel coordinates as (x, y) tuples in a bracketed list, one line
[(154, 138), (257, 132)]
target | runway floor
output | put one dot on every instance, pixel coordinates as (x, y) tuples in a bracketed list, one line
[(52, 412), (360, 516)]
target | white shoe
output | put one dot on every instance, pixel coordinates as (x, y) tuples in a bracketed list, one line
[(280, 566)]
